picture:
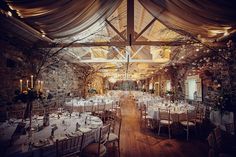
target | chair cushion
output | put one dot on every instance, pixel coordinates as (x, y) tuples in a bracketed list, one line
[(165, 122), (147, 117), (185, 123), (112, 137), (92, 150)]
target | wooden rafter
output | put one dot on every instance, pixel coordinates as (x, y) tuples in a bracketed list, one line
[(130, 21), (116, 49), (120, 43), (121, 61), (145, 28), (137, 51), (114, 28)]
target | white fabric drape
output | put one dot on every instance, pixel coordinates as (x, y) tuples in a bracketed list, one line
[(205, 18), (63, 18)]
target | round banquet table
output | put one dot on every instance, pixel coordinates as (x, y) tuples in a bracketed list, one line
[(175, 110), (66, 127), (78, 106)]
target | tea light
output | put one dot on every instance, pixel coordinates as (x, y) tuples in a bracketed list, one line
[(27, 84), (20, 85), (32, 81)]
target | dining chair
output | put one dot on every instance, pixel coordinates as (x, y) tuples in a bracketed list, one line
[(229, 127), (114, 136), (218, 137), (18, 114), (214, 150), (97, 149), (165, 120), (48, 150), (188, 121), (144, 117), (113, 108), (69, 147), (88, 107)]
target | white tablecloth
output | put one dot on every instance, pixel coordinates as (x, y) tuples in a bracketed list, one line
[(153, 110), (220, 119), (65, 125), (78, 105)]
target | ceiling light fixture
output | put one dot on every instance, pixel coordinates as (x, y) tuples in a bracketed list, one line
[(9, 13)]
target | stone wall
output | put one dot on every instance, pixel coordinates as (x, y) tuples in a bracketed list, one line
[(217, 77), (61, 80)]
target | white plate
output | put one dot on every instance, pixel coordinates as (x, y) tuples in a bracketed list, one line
[(84, 130), (93, 126)]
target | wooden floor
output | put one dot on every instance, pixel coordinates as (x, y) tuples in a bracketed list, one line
[(139, 142)]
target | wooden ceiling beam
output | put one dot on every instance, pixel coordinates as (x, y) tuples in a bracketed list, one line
[(145, 28), (160, 43), (114, 28), (130, 21), (120, 44), (121, 61)]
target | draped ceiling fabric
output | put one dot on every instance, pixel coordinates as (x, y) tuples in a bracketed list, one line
[(63, 18), (205, 19)]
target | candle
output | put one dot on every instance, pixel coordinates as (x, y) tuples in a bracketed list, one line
[(32, 81), (27, 84), (41, 86), (20, 85)]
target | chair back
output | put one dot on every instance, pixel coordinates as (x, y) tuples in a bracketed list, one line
[(88, 138), (218, 137), (18, 114), (229, 127), (116, 127), (211, 140), (48, 151), (164, 114), (104, 133), (88, 107), (191, 116), (143, 111), (183, 117), (101, 106), (67, 147)]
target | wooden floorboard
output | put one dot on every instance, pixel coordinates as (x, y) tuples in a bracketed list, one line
[(139, 142)]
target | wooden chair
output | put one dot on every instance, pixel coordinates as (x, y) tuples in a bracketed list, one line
[(200, 113), (97, 149), (188, 121), (214, 150), (229, 127), (69, 147), (114, 136), (100, 111), (148, 120), (39, 112), (114, 107), (88, 107), (18, 114), (48, 151), (218, 138), (165, 120)]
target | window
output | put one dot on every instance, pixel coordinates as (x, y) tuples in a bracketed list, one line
[(193, 88), (168, 85), (150, 86)]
